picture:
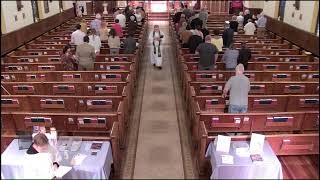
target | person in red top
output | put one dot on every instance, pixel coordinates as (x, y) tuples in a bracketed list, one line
[(236, 6), (117, 27)]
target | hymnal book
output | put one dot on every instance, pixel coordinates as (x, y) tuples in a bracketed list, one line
[(256, 157), (96, 146)]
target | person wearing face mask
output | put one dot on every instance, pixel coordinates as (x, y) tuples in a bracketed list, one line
[(39, 163), (156, 55)]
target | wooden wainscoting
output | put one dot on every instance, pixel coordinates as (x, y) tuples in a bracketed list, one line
[(12, 40), (301, 38)]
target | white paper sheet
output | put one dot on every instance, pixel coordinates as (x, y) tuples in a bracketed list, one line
[(77, 159), (61, 171), (256, 143), (227, 159), (223, 143)]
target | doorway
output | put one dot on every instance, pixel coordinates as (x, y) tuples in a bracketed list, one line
[(158, 6)]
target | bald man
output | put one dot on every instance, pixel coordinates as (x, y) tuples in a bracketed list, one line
[(208, 54), (239, 87)]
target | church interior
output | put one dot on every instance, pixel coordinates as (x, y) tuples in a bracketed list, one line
[(173, 89)]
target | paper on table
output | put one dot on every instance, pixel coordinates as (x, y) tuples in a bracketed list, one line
[(223, 143), (61, 171), (227, 159), (256, 143), (77, 159)]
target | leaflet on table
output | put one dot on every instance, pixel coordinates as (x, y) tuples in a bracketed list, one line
[(241, 148), (256, 143), (77, 159), (226, 159), (61, 171), (223, 143)]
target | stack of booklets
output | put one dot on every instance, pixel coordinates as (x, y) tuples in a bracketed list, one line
[(95, 147)]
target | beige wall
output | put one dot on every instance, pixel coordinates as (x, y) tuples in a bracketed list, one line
[(53, 9), (253, 4), (9, 10), (271, 8), (67, 4), (308, 10)]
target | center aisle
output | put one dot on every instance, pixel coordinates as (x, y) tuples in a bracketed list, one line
[(158, 152)]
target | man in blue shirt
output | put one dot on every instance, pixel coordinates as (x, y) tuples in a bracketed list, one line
[(261, 24), (96, 24)]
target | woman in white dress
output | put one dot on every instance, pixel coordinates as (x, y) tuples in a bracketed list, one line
[(156, 53), (94, 40)]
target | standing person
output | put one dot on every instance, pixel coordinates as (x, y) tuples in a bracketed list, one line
[(208, 54), (193, 43), (68, 59), (138, 16), (246, 16), (249, 28), (85, 55), (156, 55), (38, 160), (187, 12), (227, 36), (236, 6), (244, 55), (197, 31), (114, 42), (203, 16), (239, 87), (77, 36), (217, 40), (184, 35), (129, 44), (230, 58), (117, 27), (132, 26), (95, 41), (116, 12), (240, 19), (234, 24), (261, 24), (84, 27), (104, 32), (96, 23), (122, 19), (205, 32)]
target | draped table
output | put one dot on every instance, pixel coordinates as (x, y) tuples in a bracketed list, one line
[(92, 167), (243, 167)]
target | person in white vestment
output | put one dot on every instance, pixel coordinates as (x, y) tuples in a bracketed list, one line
[(156, 53), (39, 162), (249, 28)]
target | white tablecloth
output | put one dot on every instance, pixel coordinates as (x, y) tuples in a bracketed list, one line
[(243, 167), (93, 166)]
